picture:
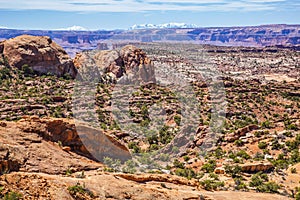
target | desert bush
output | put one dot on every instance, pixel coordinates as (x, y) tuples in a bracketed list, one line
[(177, 119), (134, 146), (4, 73), (240, 184), (178, 164), (297, 196), (266, 124), (27, 70), (262, 145), (234, 171), (238, 143), (130, 167), (186, 172), (210, 185), (262, 184), (78, 190), (243, 154), (12, 196), (209, 166)]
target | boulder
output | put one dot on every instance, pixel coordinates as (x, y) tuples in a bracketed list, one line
[(219, 170), (38, 52), (3, 124)]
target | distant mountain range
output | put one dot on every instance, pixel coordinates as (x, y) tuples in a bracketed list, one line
[(162, 26), (73, 28), (76, 38)]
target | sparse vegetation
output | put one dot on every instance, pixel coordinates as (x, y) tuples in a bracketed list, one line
[(12, 196), (79, 191)]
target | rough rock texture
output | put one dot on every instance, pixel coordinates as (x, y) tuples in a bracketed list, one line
[(256, 167), (28, 151), (240, 132), (109, 186), (40, 53), (130, 63), (82, 139), (143, 178)]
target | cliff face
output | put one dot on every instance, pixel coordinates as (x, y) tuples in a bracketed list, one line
[(249, 36)]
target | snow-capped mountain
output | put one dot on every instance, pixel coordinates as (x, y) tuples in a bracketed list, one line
[(73, 28), (3, 27), (160, 26)]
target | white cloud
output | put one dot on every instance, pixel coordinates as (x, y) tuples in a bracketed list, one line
[(140, 5)]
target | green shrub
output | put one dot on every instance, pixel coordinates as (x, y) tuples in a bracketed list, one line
[(186, 172), (165, 136), (261, 182), (243, 154), (262, 145), (269, 187), (238, 143), (186, 158), (78, 189), (258, 179), (234, 171), (177, 119), (297, 196), (130, 167), (27, 70), (292, 127), (295, 157), (5, 73), (209, 166), (178, 164), (219, 153), (12, 196), (266, 124), (240, 185), (134, 146), (211, 184)]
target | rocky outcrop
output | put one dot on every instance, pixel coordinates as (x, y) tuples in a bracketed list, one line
[(219, 170), (257, 167), (38, 52), (10, 159), (240, 132), (143, 178), (82, 139), (28, 151), (130, 63)]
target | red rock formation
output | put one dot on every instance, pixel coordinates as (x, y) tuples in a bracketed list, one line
[(40, 53), (130, 62)]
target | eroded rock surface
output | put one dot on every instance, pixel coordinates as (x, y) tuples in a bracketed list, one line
[(38, 52), (130, 63)]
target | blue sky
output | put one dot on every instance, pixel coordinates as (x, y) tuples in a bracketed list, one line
[(121, 14)]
